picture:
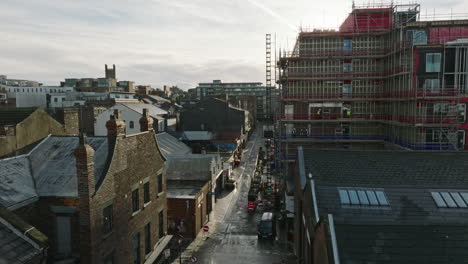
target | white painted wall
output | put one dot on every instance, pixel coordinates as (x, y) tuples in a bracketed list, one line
[(127, 115)]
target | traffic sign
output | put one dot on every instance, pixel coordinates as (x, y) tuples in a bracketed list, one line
[(206, 228), (193, 259)]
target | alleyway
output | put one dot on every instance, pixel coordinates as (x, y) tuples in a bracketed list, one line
[(232, 237)]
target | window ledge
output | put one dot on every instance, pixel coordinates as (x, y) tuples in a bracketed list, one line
[(146, 204), (160, 194), (148, 255), (136, 212), (105, 236)]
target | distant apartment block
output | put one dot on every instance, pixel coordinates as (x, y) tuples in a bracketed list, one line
[(222, 90), (16, 82), (386, 77)]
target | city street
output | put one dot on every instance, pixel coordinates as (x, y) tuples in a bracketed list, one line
[(232, 236)]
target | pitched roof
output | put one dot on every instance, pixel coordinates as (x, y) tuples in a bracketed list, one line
[(13, 116), (159, 98), (169, 145), (154, 111), (355, 168), (19, 242), (202, 167), (48, 170), (411, 229), (418, 244), (197, 135)]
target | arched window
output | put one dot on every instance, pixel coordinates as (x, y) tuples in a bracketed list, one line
[(131, 124)]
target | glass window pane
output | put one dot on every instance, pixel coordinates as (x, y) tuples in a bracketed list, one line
[(464, 195), (347, 45), (419, 37), (438, 199), (458, 199), (344, 197), (353, 197), (372, 198), (448, 199), (363, 197), (381, 198)]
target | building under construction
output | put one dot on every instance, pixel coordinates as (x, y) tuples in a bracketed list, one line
[(385, 79)]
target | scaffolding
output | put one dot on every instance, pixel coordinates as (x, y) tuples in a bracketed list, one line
[(360, 83), (268, 76)]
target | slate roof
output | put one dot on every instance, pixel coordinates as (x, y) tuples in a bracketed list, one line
[(19, 242), (14, 248), (355, 168), (203, 167), (169, 145), (48, 170), (13, 116), (412, 229), (418, 244), (159, 98)]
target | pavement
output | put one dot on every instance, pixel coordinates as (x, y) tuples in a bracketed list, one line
[(232, 236)]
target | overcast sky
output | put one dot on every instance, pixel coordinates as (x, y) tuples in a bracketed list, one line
[(156, 42)]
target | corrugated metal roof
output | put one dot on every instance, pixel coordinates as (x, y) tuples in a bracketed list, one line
[(169, 145), (197, 135)]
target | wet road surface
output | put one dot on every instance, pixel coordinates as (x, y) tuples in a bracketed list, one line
[(232, 237)]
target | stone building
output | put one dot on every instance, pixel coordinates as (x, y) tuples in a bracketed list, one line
[(98, 199), (20, 127)]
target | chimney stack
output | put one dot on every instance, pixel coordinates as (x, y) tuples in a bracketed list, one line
[(115, 126), (84, 157), (146, 121), (115, 129)]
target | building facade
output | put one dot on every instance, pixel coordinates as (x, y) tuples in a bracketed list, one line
[(21, 127), (385, 77), (235, 91), (98, 199)]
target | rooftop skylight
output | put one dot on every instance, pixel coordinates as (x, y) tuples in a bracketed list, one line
[(362, 197)]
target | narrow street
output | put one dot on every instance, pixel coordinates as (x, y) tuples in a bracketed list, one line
[(232, 236)]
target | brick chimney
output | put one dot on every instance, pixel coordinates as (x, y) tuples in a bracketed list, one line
[(115, 128), (84, 155), (146, 121)]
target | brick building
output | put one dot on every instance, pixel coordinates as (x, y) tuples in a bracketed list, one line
[(192, 179), (98, 199)]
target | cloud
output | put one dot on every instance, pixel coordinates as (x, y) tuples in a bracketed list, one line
[(155, 41)]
